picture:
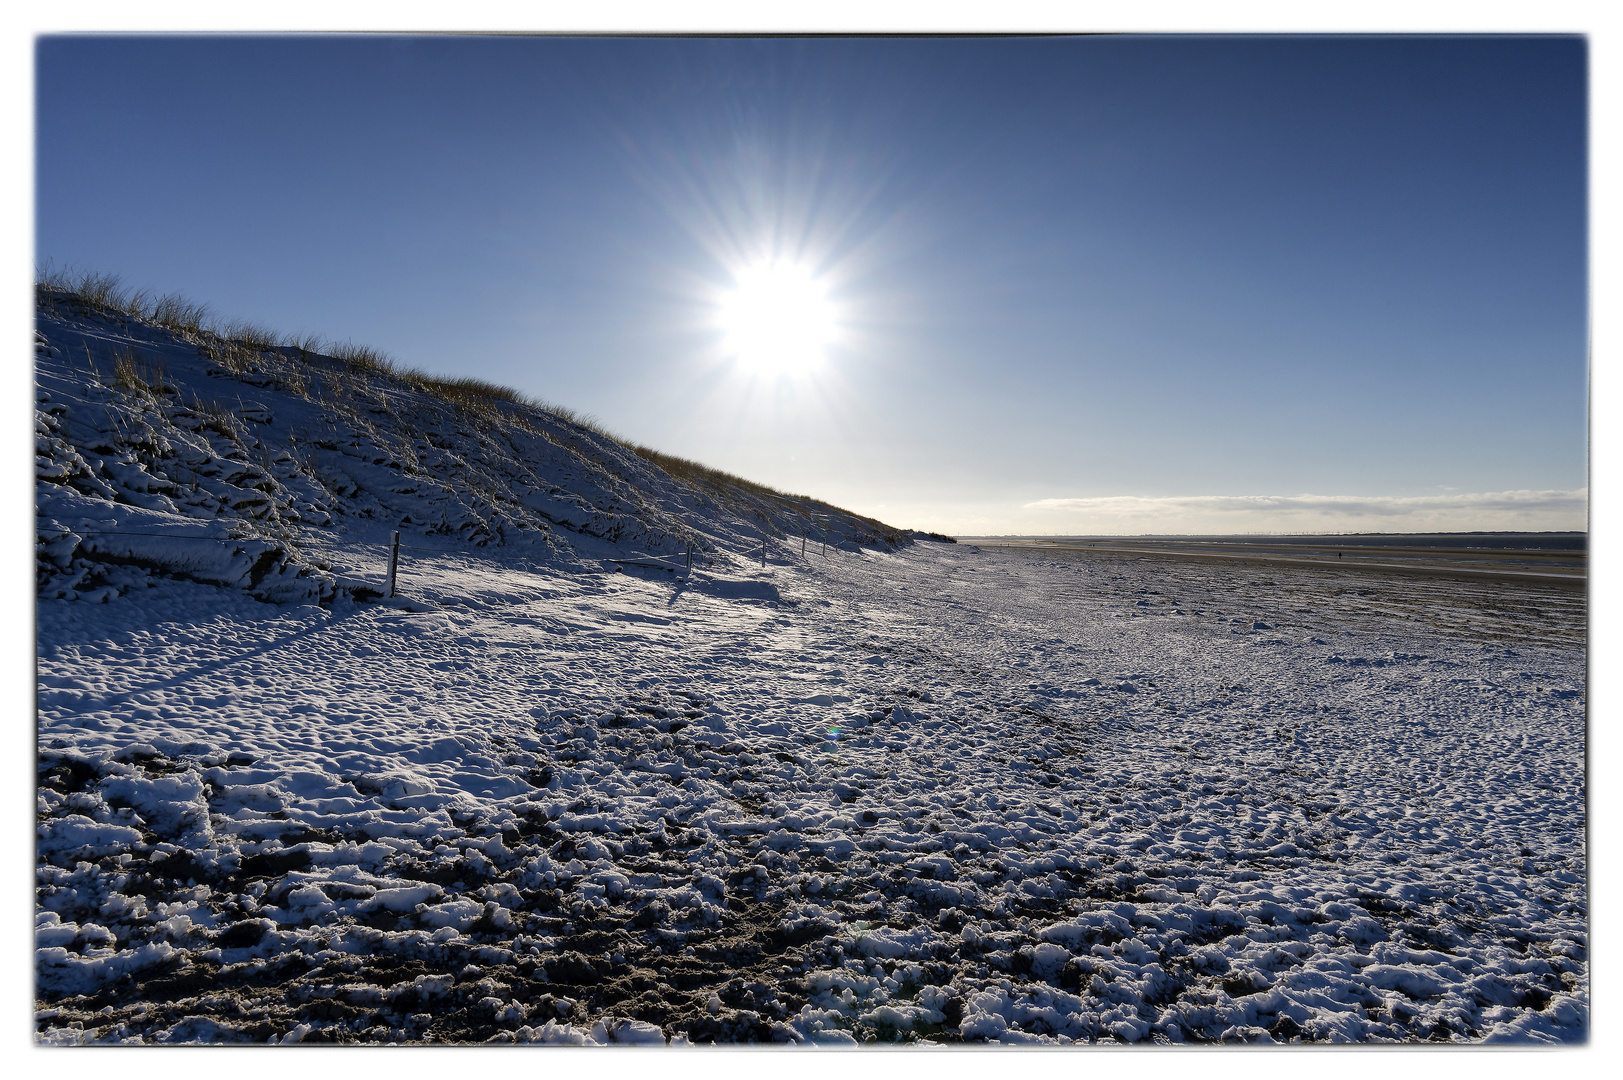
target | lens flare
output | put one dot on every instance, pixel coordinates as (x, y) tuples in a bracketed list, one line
[(778, 319)]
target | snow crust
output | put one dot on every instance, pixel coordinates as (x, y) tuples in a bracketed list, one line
[(895, 793)]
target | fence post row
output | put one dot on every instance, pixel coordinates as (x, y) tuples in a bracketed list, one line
[(394, 560)]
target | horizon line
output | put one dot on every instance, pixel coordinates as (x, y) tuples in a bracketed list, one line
[(1308, 532)]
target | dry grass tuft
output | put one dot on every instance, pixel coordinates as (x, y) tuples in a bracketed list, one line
[(136, 374), (217, 418), (305, 346), (178, 314), (361, 357), (100, 292), (227, 354), (697, 474), (255, 339), (465, 390), (105, 294), (583, 420)]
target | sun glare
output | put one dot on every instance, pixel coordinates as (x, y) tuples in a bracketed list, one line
[(777, 320)]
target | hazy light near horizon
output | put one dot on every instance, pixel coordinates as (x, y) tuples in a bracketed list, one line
[(1464, 511), (777, 319)]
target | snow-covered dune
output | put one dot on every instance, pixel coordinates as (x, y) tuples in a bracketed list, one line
[(187, 454), (897, 791)]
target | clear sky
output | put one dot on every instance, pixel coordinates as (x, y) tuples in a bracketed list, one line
[(976, 285)]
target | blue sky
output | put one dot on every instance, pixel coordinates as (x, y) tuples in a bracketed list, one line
[(1076, 284)]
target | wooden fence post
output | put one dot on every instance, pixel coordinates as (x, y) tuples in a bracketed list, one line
[(394, 560)]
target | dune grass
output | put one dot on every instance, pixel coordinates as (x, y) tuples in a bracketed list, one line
[(241, 347), (693, 472), (138, 375)]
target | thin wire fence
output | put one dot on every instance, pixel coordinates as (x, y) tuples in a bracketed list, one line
[(746, 552), (692, 557)]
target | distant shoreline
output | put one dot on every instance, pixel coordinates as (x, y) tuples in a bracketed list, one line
[(1549, 565), (1555, 540)]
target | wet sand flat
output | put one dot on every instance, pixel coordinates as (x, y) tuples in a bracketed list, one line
[(1563, 568)]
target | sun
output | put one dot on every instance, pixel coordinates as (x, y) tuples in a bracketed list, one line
[(777, 320)]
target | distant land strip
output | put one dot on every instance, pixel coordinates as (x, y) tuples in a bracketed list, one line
[(1551, 567)]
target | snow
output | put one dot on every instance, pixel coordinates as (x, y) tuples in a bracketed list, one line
[(902, 791)]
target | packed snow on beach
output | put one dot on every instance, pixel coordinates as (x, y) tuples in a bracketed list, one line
[(896, 792)]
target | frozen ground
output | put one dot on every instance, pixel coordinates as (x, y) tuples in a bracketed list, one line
[(905, 791), (1100, 799)]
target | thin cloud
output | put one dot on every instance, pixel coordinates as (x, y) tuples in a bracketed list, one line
[(1462, 511), (1322, 504)]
